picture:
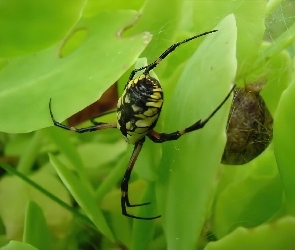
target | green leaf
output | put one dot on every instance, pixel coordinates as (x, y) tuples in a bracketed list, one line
[(143, 231), (13, 245), (36, 231), (275, 73), (93, 6), (111, 201), (15, 194), (122, 229), (281, 43), (72, 81), (60, 199), (190, 165), (31, 25), (28, 157), (163, 31), (248, 202), (284, 137), (62, 139), (83, 197), (272, 236), (98, 154), (250, 17), (113, 178)]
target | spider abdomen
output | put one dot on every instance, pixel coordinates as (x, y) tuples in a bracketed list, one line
[(139, 107)]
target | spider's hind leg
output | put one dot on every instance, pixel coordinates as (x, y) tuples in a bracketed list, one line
[(92, 119), (124, 185)]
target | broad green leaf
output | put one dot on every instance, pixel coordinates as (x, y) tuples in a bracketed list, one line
[(15, 194), (248, 202), (284, 137), (271, 236), (280, 43), (13, 245), (273, 67), (31, 25), (271, 6), (190, 165), (62, 201), (83, 197), (148, 161), (113, 178), (153, 11), (36, 231), (275, 74), (95, 155), (17, 144), (250, 17), (62, 139), (111, 201), (143, 231), (30, 153), (122, 229), (93, 6), (74, 80)]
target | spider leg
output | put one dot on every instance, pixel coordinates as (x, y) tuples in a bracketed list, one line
[(103, 114), (162, 137), (149, 67), (124, 185), (133, 72), (98, 126)]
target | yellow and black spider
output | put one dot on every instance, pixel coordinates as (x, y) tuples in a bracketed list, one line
[(138, 111)]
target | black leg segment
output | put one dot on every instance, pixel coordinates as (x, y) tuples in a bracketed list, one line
[(151, 66), (98, 126), (162, 137), (124, 185)]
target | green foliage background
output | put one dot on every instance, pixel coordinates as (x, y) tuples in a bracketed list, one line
[(62, 191)]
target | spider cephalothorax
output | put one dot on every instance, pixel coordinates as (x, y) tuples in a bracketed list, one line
[(138, 111)]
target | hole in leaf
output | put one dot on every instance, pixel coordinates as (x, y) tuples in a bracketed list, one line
[(73, 42)]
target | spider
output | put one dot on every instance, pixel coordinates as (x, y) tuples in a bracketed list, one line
[(138, 110)]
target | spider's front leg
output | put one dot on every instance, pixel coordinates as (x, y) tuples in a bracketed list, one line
[(124, 185), (162, 137), (97, 126), (154, 64), (133, 72)]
